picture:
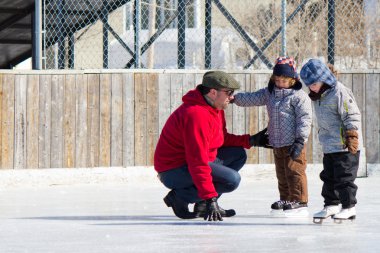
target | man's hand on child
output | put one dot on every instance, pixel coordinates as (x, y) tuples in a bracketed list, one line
[(261, 139)]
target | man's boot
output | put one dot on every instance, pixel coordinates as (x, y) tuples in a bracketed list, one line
[(180, 208), (200, 210)]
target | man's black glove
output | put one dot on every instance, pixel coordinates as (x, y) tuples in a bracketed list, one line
[(296, 149), (212, 210), (260, 139)]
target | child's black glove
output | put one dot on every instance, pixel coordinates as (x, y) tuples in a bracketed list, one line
[(296, 149)]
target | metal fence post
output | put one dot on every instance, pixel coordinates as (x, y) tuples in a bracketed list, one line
[(331, 32), (283, 28), (104, 18), (61, 38), (208, 34), (37, 42), (137, 27), (71, 52), (181, 27)]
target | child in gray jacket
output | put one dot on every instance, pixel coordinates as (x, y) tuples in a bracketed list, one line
[(290, 116), (339, 132)]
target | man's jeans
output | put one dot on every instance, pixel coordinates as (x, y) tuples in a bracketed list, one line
[(224, 173)]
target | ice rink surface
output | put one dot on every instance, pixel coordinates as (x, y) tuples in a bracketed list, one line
[(121, 210)]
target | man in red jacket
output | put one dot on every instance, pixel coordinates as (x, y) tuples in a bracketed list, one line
[(195, 155)]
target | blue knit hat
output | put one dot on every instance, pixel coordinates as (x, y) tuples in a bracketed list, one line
[(285, 66), (316, 71)]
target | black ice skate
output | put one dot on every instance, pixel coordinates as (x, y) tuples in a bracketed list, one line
[(296, 209), (277, 208)]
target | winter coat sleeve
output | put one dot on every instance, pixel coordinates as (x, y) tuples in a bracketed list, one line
[(231, 140), (303, 114), (348, 110), (196, 140), (252, 98)]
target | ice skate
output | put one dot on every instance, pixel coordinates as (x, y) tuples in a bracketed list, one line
[(345, 214), (277, 208), (327, 211), (296, 209)]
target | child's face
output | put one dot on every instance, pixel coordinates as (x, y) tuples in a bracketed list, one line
[(282, 82), (316, 87)]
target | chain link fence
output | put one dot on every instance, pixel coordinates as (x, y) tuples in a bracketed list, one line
[(204, 34)]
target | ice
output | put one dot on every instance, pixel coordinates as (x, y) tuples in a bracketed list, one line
[(121, 210)]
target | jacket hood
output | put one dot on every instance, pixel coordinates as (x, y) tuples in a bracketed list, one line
[(194, 97), (316, 71)]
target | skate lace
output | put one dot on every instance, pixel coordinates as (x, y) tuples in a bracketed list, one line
[(281, 202)]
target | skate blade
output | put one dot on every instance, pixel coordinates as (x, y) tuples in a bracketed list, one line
[(277, 213), (299, 213), (340, 220), (318, 220)]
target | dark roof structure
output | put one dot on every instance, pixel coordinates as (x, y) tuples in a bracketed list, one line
[(15, 31), (16, 24)]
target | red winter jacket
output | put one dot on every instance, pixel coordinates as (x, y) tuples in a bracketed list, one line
[(192, 135)]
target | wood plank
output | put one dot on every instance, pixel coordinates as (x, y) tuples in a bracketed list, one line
[(140, 119), (69, 122), (188, 82), (238, 113), (8, 110), (309, 147), (117, 120), (57, 112), (252, 121), (44, 129), (164, 98), (105, 121), (198, 78), (359, 89), (32, 128), (20, 122), (372, 118), (228, 114), (128, 120), (265, 155), (152, 116), (93, 86), (81, 121), (346, 79), (176, 83)]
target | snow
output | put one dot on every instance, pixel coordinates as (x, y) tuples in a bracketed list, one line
[(121, 210)]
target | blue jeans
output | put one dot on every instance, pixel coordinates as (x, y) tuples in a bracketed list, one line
[(224, 174)]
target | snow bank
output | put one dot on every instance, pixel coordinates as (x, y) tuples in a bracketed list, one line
[(115, 175)]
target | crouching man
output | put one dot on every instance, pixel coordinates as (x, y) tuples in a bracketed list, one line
[(196, 157)]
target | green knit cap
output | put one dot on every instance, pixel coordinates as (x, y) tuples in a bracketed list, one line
[(219, 79)]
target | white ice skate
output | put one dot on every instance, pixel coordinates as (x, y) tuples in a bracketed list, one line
[(327, 211), (345, 214)]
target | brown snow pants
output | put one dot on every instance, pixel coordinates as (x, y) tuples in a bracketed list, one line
[(291, 175)]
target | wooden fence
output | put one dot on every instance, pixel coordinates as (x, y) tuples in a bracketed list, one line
[(67, 119)]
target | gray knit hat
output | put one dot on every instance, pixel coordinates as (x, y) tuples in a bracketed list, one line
[(219, 79)]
